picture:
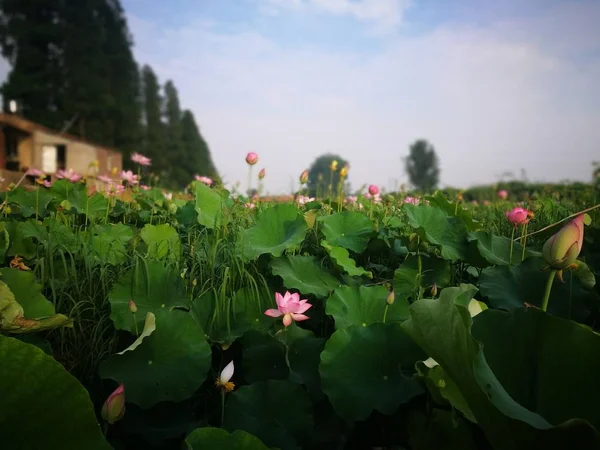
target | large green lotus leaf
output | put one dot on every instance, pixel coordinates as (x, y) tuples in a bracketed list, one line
[(366, 368), (263, 357), (4, 241), (209, 206), (42, 405), (341, 258), (434, 226), (27, 292), (217, 438), (453, 210), (546, 363), (76, 194), (304, 274), (19, 244), (53, 234), (348, 229), (168, 364), (108, 242), (162, 241), (304, 356), (437, 430), (265, 410), (442, 329), (495, 250), (511, 287), (152, 286), (433, 271), (29, 202), (226, 319), (276, 229), (364, 305)]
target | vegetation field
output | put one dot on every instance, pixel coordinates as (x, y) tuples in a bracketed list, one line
[(135, 318)]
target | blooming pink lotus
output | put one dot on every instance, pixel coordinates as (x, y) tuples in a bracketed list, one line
[(168, 195), (35, 172), (290, 307), (502, 194), (411, 200), (373, 190), (261, 174), (352, 199), (113, 408), (518, 216), (251, 158), (141, 159), (144, 187), (374, 198), (250, 205), (207, 181), (303, 199), (104, 178), (70, 175), (129, 177)]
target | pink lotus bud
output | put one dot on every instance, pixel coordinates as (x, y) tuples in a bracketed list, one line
[(373, 190), (251, 158), (502, 195), (518, 216), (132, 307), (562, 249), (114, 406), (261, 174), (304, 177), (390, 298)]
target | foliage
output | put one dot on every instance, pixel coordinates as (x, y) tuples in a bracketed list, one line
[(422, 166), (320, 176)]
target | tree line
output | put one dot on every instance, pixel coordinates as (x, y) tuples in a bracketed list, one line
[(72, 68)]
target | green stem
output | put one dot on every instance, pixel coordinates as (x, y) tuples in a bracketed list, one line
[(523, 241), (385, 312), (222, 407), (249, 183), (512, 241), (548, 289), (137, 332), (105, 429)]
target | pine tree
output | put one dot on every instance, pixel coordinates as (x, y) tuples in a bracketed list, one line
[(179, 167), (154, 143), (196, 148), (422, 166)]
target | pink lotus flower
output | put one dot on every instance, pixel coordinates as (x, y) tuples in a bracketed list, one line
[(351, 199), (141, 159), (374, 198), (290, 307), (304, 177), (115, 189), (113, 408), (411, 200), (47, 183), (249, 205), (303, 199), (35, 172), (207, 181), (168, 195), (251, 158), (373, 190), (70, 175), (502, 195), (486, 203), (129, 177), (144, 187), (518, 216), (104, 178), (261, 174)]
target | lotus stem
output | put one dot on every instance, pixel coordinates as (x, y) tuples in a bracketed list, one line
[(548, 290), (512, 241), (222, 407), (523, 241), (385, 311)]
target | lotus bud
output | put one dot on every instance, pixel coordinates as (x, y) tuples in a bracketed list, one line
[(333, 165), (304, 177), (434, 290), (132, 307), (261, 174), (373, 189), (562, 249), (114, 406), (344, 171), (390, 298), (502, 195), (251, 158), (518, 216)]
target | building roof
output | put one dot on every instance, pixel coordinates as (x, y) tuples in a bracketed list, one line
[(28, 126)]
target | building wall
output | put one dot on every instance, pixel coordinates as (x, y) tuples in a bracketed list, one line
[(79, 155), (26, 152)]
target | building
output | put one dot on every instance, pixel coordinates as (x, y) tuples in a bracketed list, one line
[(25, 145)]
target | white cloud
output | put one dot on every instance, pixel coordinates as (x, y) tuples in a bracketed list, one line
[(489, 101)]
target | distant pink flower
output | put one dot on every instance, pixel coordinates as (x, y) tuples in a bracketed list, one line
[(474, 202), (486, 203), (502, 195), (261, 174), (115, 189), (411, 200), (47, 183), (351, 199), (373, 190), (249, 205), (205, 180), (144, 187), (104, 178), (35, 172), (303, 199), (290, 307), (374, 198), (518, 216), (129, 177), (251, 158), (168, 195), (141, 159), (70, 175)]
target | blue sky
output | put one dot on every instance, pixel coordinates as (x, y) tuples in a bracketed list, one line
[(495, 85)]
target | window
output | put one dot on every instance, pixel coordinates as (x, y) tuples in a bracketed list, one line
[(49, 154), (61, 157)]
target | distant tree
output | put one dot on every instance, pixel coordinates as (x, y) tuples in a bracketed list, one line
[(196, 148), (178, 159), (154, 141), (319, 174), (422, 166)]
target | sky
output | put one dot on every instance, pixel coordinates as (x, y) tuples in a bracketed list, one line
[(494, 85)]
